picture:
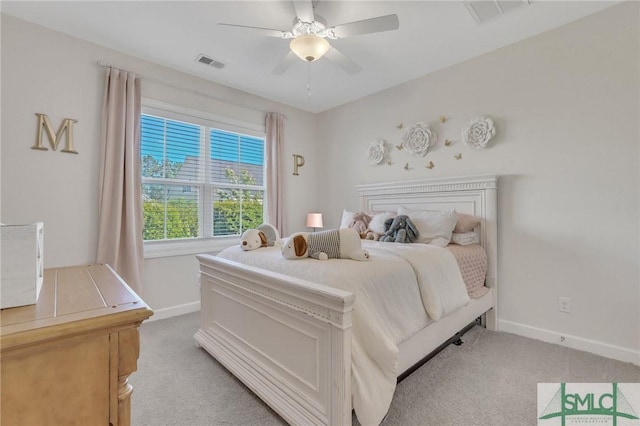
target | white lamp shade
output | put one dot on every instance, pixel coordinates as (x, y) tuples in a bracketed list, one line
[(309, 47), (314, 220)]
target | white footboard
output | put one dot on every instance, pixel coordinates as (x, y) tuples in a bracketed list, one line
[(304, 374)]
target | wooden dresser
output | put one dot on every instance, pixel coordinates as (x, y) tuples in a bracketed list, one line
[(66, 359)]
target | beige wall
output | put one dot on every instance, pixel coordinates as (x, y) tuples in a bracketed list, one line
[(566, 108), (47, 72)]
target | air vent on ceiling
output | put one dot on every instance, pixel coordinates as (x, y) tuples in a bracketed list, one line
[(207, 60), (485, 10)]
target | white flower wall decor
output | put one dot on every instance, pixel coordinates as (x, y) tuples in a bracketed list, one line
[(418, 138), (478, 132), (377, 152)]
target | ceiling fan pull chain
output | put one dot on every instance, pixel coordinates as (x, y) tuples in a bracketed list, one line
[(309, 79)]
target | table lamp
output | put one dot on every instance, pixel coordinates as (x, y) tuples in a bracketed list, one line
[(314, 220)]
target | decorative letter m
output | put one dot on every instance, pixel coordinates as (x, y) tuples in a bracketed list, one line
[(54, 139)]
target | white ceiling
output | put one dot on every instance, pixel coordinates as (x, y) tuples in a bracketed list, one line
[(432, 36)]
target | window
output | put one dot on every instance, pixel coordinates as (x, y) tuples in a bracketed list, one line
[(199, 180)]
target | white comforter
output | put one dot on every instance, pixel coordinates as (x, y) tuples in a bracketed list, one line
[(395, 290)]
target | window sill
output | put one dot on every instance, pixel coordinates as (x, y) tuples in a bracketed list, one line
[(155, 249)]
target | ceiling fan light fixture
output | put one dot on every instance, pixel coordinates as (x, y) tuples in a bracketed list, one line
[(309, 47)]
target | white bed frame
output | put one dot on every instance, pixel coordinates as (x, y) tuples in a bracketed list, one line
[(289, 340)]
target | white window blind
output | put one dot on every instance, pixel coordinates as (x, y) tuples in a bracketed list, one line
[(199, 181)]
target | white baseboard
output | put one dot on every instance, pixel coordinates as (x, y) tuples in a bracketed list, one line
[(174, 311), (599, 348)]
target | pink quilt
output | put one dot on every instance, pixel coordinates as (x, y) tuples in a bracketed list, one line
[(472, 260)]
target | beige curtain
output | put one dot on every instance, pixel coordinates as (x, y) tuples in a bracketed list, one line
[(120, 212), (275, 181)]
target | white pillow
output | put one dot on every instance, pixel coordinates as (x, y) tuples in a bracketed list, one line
[(435, 226), (347, 217), (378, 220)]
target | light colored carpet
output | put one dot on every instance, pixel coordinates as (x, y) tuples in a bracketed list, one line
[(490, 380)]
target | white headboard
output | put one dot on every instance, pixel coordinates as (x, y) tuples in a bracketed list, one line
[(476, 195)]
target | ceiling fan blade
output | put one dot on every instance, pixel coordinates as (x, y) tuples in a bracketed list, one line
[(264, 31), (367, 26), (285, 63), (304, 10), (350, 67)]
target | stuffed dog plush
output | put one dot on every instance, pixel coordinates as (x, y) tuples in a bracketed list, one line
[(341, 243), (272, 234), (252, 239), (401, 230), (265, 235)]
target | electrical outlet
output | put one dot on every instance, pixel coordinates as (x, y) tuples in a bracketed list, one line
[(564, 304)]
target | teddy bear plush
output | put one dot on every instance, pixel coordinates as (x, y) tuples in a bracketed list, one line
[(343, 243), (360, 223), (265, 235), (372, 235), (400, 230)]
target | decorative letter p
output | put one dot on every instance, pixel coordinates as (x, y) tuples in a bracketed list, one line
[(298, 161)]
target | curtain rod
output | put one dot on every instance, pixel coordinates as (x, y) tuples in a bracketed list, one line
[(104, 64)]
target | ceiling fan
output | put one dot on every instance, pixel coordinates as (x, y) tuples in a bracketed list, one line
[(310, 33)]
